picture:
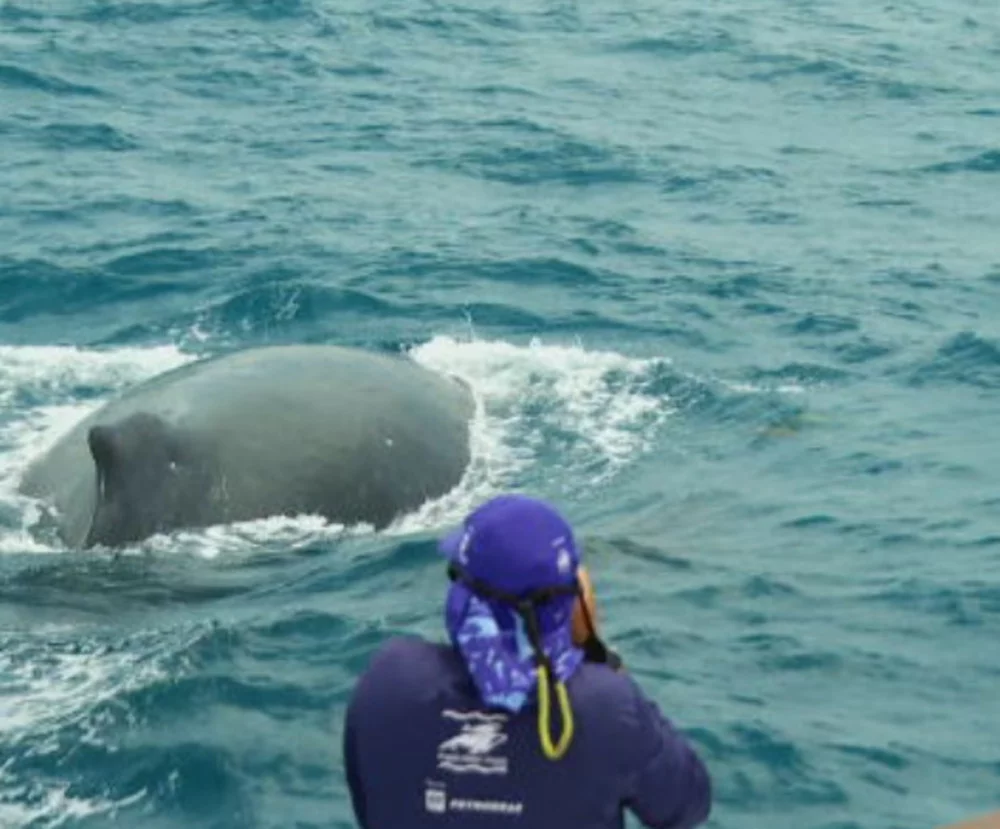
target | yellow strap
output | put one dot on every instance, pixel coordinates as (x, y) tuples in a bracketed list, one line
[(553, 752)]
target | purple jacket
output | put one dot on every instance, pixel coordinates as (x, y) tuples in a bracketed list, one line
[(420, 753)]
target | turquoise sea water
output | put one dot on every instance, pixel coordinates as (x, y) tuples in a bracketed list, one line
[(725, 278)]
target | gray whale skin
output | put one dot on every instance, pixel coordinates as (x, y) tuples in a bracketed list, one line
[(352, 435)]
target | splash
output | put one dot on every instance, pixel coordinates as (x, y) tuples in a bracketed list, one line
[(543, 411)]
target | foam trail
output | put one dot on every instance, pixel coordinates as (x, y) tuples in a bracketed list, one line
[(594, 401), (66, 690), (58, 371), (51, 380)]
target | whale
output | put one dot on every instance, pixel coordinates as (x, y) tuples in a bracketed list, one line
[(358, 437)]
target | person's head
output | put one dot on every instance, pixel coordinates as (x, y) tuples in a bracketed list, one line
[(515, 597)]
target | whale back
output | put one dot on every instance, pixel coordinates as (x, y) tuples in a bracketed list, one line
[(353, 436)]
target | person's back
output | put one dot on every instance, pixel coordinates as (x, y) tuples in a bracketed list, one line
[(523, 719), (422, 752)]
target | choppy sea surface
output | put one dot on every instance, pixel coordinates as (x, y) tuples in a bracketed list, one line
[(724, 277)]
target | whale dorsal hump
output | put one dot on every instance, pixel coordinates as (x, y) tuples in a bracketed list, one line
[(101, 440), (131, 451), (149, 478)]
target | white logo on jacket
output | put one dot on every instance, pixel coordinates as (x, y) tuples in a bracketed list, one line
[(470, 750)]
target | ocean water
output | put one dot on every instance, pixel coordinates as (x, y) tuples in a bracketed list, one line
[(724, 277)]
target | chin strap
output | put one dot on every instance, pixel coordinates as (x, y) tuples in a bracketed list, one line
[(553, 752)]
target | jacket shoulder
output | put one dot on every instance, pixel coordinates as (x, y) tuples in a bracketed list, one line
[(607, 690), (402, 657), (407, 671)]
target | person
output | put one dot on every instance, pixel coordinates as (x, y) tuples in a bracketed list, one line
[(525, 718)]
